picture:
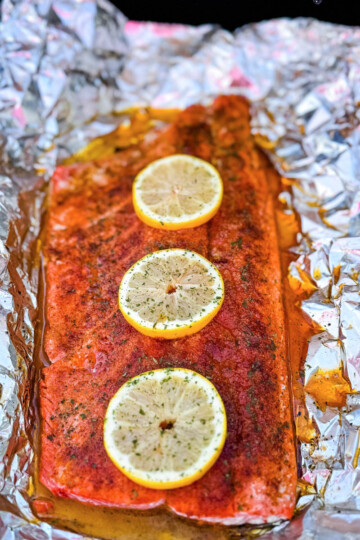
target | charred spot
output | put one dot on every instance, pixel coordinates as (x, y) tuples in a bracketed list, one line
[(250, 229), (56, 253), (93, 246), (79, 235), (253, 342), (255, 367), (93, 288), (196, 140), (270, 384), (278, 434), (220, 260), (250, 196), (117, 190), (247, 472), (109, 239), (244, 215), (110, 171), (72, 338), (255, 328), (61, 199)]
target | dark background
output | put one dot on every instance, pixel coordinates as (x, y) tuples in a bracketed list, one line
[(233, 13)]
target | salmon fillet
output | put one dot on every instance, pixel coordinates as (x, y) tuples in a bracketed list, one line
[(93, 237)]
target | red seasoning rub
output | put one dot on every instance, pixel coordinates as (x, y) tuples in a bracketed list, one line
[(93, 236)]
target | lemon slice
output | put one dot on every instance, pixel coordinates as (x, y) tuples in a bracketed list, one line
[(177, 192), (171, 293), (165, 428)]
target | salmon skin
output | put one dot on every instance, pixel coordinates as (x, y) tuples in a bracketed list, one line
[(93, 237)]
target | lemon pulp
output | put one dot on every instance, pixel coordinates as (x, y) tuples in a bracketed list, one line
[(177, 192), (171, 293), (165, 428)]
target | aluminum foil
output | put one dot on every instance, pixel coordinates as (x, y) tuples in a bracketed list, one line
[(68, 68)]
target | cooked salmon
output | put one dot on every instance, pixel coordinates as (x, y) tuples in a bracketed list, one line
[(92, 238)]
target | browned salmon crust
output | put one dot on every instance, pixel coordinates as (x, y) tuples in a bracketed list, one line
[(93, 237)]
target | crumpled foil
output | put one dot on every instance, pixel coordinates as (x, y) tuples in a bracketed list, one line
[(68, 67)]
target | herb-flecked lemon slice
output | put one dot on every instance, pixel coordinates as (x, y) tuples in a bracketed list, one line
[(165, 428), (177, 192), (171, 293)]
